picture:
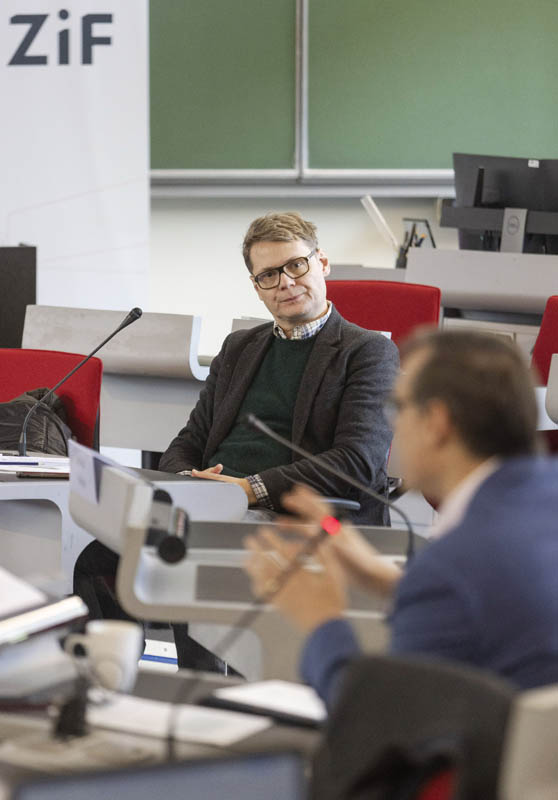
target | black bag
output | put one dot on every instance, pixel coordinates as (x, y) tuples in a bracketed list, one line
[(47, 431)]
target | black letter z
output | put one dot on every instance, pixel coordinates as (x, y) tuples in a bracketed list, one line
[(35, 22)]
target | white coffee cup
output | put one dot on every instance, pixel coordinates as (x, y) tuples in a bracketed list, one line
[(112, 648)]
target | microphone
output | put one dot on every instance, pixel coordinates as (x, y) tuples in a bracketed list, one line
[(254, 422), (185, 691), (132, 316), (168, 528)]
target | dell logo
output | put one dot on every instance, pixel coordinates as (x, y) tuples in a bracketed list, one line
[(34, 23), (513, 224)]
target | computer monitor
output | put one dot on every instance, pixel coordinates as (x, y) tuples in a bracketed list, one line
[(501, 182)]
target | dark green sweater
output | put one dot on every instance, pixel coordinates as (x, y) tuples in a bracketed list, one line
[(271, 397)]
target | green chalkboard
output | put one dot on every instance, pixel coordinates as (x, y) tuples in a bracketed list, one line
[(404, 83), (222, 75), (392, 84)]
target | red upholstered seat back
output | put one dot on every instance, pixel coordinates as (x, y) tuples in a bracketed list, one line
[(23, 369), (547, 340), (441, 786), (386, 305)]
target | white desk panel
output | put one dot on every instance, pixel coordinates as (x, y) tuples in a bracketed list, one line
[(145, 413), (39, 537), (483, 280)]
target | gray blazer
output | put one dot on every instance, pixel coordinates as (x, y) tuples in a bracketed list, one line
[(338, 412)]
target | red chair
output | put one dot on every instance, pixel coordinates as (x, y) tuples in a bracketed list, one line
[(440, 787), (547, 340), (545, 345), (23, 369), (393, 306)]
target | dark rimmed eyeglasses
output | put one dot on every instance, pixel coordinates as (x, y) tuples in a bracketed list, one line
[(393, 406), (295, 268)]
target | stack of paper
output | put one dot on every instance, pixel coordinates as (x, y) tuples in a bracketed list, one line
[(35, 465), (193, 724), (16, 595), (292, 702)]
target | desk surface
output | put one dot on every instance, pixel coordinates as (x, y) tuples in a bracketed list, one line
[(36, 729), (162, 686)]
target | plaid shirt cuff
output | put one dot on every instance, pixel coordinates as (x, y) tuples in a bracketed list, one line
[(258, 487)]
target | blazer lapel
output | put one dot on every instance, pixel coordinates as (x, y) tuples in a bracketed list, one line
[(325, 347), (244, 371)]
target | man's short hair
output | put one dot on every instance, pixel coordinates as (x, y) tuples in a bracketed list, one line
[(486, 384), (278, 227)]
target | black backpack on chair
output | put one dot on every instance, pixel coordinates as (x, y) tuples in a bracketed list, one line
[(47, 431)]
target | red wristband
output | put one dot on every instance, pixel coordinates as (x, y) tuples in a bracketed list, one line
[(330, 525)]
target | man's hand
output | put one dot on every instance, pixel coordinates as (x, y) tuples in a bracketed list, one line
[(361, 561), (214, 474), (312, 595), (206, 473)]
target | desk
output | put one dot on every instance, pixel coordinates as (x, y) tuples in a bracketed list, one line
[(544, 422), (145, 412), (39, 537), (471, 279), (210, 587), (152, 375), (277, 738)]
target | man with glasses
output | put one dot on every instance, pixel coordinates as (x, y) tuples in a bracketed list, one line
[(484, 590), (310, 375)]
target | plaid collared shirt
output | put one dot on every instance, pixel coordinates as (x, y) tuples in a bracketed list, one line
[(304, 331)]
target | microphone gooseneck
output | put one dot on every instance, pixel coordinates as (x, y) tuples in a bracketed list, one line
[(132, 316), (256, 423)]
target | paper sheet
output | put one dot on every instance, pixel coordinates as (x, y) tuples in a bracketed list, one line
[(9, 460), (193, 724), (36, 465), (17, 595), (282, 696), (36, 471)]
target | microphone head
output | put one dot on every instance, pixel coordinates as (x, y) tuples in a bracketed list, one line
[(172, 549), (132, 316)]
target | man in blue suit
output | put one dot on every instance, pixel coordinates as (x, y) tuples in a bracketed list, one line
[(485, 590)]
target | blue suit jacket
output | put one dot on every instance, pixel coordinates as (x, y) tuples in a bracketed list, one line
[(485, 594)]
